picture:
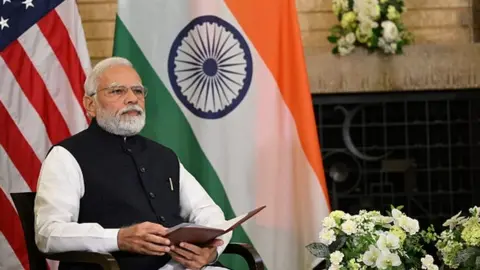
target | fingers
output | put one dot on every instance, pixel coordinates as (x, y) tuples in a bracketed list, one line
[(153, 249), (192, 256), (145, 238), (190, 264), (198, 250), (187, 254), (192, 248), (154, 228), (155, 239)]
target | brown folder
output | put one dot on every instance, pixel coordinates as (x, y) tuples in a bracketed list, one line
[(200, 235)]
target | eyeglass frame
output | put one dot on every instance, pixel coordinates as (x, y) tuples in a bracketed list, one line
[(114, 85)]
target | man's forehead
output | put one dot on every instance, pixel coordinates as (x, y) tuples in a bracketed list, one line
[(113, 84)]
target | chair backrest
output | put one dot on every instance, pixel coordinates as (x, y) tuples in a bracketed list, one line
[(24, 203)]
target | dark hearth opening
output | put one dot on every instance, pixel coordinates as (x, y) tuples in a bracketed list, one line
[(416, 149)]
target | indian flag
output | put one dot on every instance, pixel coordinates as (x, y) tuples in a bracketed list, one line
[(228, 92)]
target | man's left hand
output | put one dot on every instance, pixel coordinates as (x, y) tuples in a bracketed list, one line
[(194, 257)]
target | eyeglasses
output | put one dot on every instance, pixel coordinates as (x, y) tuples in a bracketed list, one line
[(119, 91)]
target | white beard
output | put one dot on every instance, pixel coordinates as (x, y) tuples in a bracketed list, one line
[(121, 124)]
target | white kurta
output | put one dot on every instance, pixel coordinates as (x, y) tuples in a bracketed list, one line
[(60, 188)]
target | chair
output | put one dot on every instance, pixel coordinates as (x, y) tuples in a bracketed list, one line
[(24, 202)]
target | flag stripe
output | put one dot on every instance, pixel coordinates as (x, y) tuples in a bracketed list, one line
[(68, 13), (18, 149), (57, 36), (54, 77), (8, 258), (289, 70), (11, 228), (36, 91), (10, 179), (23, 114)]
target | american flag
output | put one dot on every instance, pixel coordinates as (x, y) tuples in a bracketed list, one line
[(43, 62)]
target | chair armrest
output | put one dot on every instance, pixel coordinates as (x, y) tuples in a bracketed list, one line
[(249, 254), (106, 260)]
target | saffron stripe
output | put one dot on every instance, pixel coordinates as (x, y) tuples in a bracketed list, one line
[(57, 36), (275, 22), (35, 90)]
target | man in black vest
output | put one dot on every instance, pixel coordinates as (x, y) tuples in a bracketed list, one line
[(108, 189)]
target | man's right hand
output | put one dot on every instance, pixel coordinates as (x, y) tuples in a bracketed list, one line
[(144, 238)]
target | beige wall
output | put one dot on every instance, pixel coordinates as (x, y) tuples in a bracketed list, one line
[(432, 21)]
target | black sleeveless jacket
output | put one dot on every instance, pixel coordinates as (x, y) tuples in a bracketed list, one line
[(126, 182)]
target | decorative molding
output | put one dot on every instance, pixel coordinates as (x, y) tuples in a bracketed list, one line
[(422, 67)]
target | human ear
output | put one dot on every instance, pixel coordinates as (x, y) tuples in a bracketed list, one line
[(90, 106)]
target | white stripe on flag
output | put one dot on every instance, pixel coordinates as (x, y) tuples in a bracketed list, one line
[(23, 114), (8, 258), (46, 63), (68, 13), (10, 178)]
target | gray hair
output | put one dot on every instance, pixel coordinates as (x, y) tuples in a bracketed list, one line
[(91, 82)]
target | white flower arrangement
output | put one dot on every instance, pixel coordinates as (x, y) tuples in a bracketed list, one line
[(373, 24), (370, 240), (459, 244)]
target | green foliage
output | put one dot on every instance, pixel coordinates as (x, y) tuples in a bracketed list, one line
[(318, 250), (459, 243)]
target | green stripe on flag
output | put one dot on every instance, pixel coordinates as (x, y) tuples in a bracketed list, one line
[(167, 125)]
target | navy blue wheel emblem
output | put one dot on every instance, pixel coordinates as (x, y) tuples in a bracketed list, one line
[(210, 67)]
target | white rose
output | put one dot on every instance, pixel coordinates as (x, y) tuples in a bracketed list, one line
[(349, 227), (350, 38), (390, 34), (327, 237), (334, 267), (329, 222), (337, 214), (336, 257), (344, 48), (427, 263)]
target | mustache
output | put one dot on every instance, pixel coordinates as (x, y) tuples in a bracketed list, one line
[(131, 108)]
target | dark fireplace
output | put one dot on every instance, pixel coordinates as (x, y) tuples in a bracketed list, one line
[(416, 149)]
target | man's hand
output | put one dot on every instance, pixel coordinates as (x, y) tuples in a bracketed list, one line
[(194, 257), (144, 238)]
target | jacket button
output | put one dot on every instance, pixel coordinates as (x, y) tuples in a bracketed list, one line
[(162, 218), (152, 195), (142, 169)]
